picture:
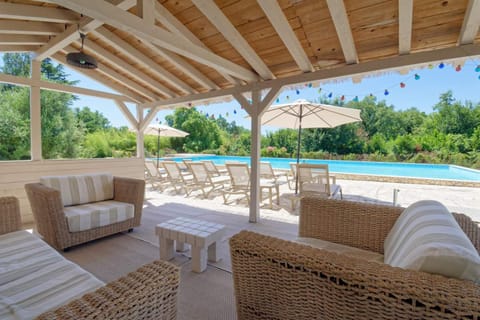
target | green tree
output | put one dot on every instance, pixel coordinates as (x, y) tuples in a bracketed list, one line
[(204, 133), (91, 121)]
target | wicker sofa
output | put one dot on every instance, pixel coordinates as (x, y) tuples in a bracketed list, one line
[(279, 279), (27, 289), (50, 204)]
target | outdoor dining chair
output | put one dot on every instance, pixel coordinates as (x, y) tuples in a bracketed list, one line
[(315, 179), (240, 184)]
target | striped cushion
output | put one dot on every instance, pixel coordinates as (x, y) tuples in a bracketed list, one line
[(35, 278), (82, 188), (97, 214), (426, 237)]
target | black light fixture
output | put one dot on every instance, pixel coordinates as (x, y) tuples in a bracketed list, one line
[(80, 59)]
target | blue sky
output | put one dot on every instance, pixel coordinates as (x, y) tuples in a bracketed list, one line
[(422, 93)]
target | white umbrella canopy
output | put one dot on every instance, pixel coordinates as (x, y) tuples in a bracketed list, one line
[(305, 114), (309, 115), (164, 131)]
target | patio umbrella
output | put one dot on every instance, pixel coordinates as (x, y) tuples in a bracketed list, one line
[(165, 131), (305, 114)]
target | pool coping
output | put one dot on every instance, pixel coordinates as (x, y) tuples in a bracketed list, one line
[(410, 180)]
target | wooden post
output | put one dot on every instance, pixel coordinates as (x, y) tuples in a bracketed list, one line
[(255, 109), (35, 113)]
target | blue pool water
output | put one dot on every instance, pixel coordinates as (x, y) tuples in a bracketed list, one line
[(415, 170)]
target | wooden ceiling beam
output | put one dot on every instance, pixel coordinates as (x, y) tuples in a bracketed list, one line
[(344, 32), (30, 27), (37, 13), (175, 26), (413, 60), (280, 23), (140, 77), (146, 11), (72, 34), (17, 48), (228, 30), (134, 54), (94, 75), (128, 22), (182, 65), (109, 72), (471, 23), (16, 39), (48, 85), (405, 21)]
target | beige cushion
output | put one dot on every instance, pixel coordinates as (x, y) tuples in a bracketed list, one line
[(81, 189), (341, 249), (426, 237), (97, 214), (35, 278)]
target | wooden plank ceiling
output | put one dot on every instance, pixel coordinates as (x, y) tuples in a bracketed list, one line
[(151, 50)]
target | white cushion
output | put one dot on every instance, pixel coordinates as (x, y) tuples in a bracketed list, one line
[(35, 278), (81, 189), (426, 237), (97, 214)]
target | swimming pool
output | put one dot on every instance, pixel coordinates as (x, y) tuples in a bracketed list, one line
[(395, 169)]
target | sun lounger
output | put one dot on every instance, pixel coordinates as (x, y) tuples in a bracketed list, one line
[(267, 172), (213, 169), (204, 181), (157, 177), (177, 179)]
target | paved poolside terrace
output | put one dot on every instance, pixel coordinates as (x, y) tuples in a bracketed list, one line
[(464, 199)]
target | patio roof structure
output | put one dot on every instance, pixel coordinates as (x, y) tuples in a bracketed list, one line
[(162, 54)]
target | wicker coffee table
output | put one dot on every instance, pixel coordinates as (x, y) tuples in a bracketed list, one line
[(201, 235)]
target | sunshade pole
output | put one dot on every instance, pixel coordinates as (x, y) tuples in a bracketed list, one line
[(298, 146), (158, 145)]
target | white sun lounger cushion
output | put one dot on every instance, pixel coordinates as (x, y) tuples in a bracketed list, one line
[(35, 278), (426, 237), (97, 214), (81, 189)]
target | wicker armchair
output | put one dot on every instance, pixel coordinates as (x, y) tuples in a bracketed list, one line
[(278, 279), (47, 208), (148, 293)]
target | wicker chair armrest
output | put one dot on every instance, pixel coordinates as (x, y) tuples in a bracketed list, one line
[(131, 191), (47, 209), (10, 219), (279, 279), (355, 224), (147, 293)]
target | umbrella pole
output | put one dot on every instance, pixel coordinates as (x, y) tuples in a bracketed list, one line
[(158, 146), (298, 147)]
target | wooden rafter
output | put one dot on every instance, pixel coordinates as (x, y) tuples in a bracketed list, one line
[(71, 34), (94, 75), (16, 39), (405, 19), (228, 30), (134, 54), (17, 48), (183, 66), (146, 11), (128, 22), (278, 20), (175, 26), (30, 27), (344, 32), (129, 69), (36, 13), (471, 23)]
